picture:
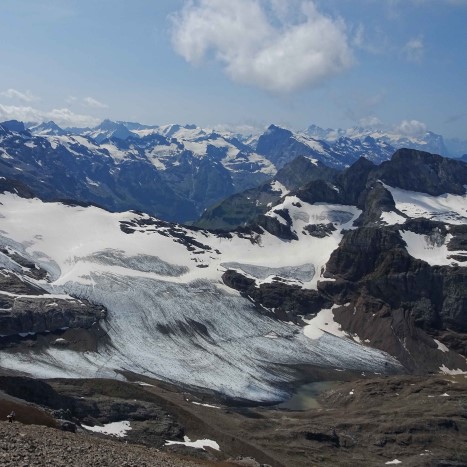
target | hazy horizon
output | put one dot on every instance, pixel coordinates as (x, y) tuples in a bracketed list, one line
[(337, 64)]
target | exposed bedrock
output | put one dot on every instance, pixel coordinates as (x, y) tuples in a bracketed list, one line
[(99, 402), (398, 301), (388, 299), (288, 302), (37, 315), (374, 200), (414, 170), (276, 228), (376, 261), (27, 308)]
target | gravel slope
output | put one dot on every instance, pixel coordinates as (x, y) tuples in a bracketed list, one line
[(33, 445)]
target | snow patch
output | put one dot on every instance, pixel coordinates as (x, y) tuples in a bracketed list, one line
[(277, 186), (322, 323), (426, 248), (441, 346), (199, 444), (392, 218), (117, 429), (447, 371), (448, 208), (206, 405)]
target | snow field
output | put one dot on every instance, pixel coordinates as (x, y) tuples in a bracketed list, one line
[(168, 318)]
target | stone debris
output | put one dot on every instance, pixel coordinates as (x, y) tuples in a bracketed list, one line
[(33, 445)]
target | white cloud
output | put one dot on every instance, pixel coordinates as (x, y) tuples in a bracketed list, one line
[(414, 50), (370, 122), (15, 94), (260, 43), (451, 2), (412, 128), (62, 117), (94, 103), (71, 100), (424, 2)]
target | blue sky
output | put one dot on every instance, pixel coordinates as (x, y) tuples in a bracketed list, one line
[(336, 63)]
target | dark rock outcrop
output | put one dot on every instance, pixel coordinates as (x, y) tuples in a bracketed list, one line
[(376, 260), (13, 125), (37, 315), (276, 228), (424, 172), (302, 170), (15, 187), (27, 308), (375, 200), (289, 302), (244, 208), (396, 300)]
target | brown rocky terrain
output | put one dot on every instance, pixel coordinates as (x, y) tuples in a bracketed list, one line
[(372, 420), (32, 445)]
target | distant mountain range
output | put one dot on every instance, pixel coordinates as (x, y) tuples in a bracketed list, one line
[(176, 172), (424, 140)]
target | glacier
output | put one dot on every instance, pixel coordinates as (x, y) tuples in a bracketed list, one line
[(170, 316)]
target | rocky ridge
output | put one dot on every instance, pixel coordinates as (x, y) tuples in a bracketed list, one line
[(244, 207), (381, 294), (41, 446), (28, 307), (418, 421)]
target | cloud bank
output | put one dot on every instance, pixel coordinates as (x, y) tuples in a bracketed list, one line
[(15, 94), (411, 128), (414, 50), (94, 103), (62, 117), (260, 43)]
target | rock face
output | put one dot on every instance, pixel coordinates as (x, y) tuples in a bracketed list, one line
[(37, 315), (27, 308), (13, 125), (388, 298), (374, 264), (15, 187), (280, 146), (302, 170), (243, 208), (288, 302), (421, 171)]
